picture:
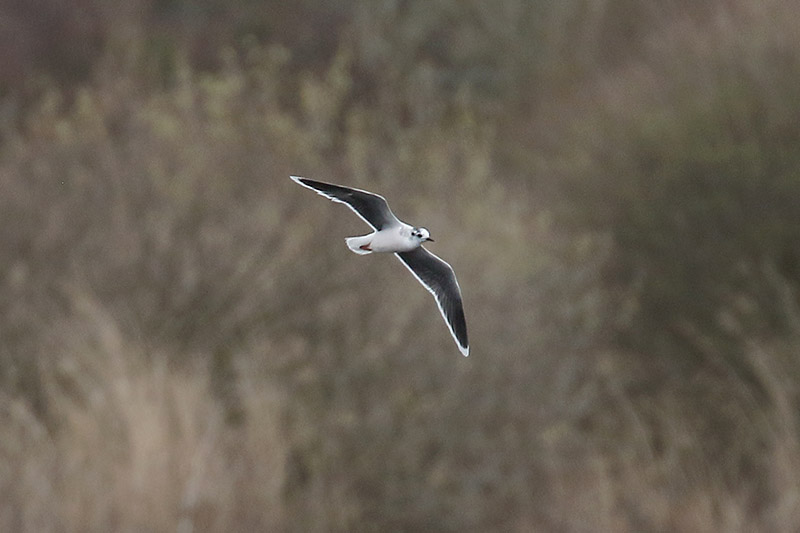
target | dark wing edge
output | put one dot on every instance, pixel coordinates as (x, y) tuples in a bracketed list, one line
[(371, 208), (439, 279)]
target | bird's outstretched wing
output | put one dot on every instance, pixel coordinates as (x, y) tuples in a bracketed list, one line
[(440, 280), (372, 208)]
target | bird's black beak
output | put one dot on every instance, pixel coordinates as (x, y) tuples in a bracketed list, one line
[(429, 239)]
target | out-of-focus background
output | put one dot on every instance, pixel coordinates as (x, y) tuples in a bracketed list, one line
[(186, 344)]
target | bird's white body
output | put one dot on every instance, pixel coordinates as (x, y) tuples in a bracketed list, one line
[(392, 239)]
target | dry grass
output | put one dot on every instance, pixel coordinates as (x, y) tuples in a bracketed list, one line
[(134, 445), (181, 344)]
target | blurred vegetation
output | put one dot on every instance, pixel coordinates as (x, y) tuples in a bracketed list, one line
[(616, 184)]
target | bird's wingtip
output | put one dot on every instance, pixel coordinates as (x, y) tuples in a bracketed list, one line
[(296, 178), (464, 351)]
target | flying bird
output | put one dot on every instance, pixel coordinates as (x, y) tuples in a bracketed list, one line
[(405, 241)]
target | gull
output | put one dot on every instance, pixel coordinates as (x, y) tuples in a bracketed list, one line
[(405, 241)]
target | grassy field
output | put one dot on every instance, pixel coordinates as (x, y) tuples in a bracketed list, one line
[(186, 344)]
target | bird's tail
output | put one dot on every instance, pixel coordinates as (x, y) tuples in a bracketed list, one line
[(359, 245)]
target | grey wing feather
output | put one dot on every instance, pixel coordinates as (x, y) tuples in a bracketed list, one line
[(372, 208), (440, 280)]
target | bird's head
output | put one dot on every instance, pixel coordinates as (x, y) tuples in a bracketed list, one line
[(422, 234)]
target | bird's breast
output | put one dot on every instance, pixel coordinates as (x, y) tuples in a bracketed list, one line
[(392, 240)]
